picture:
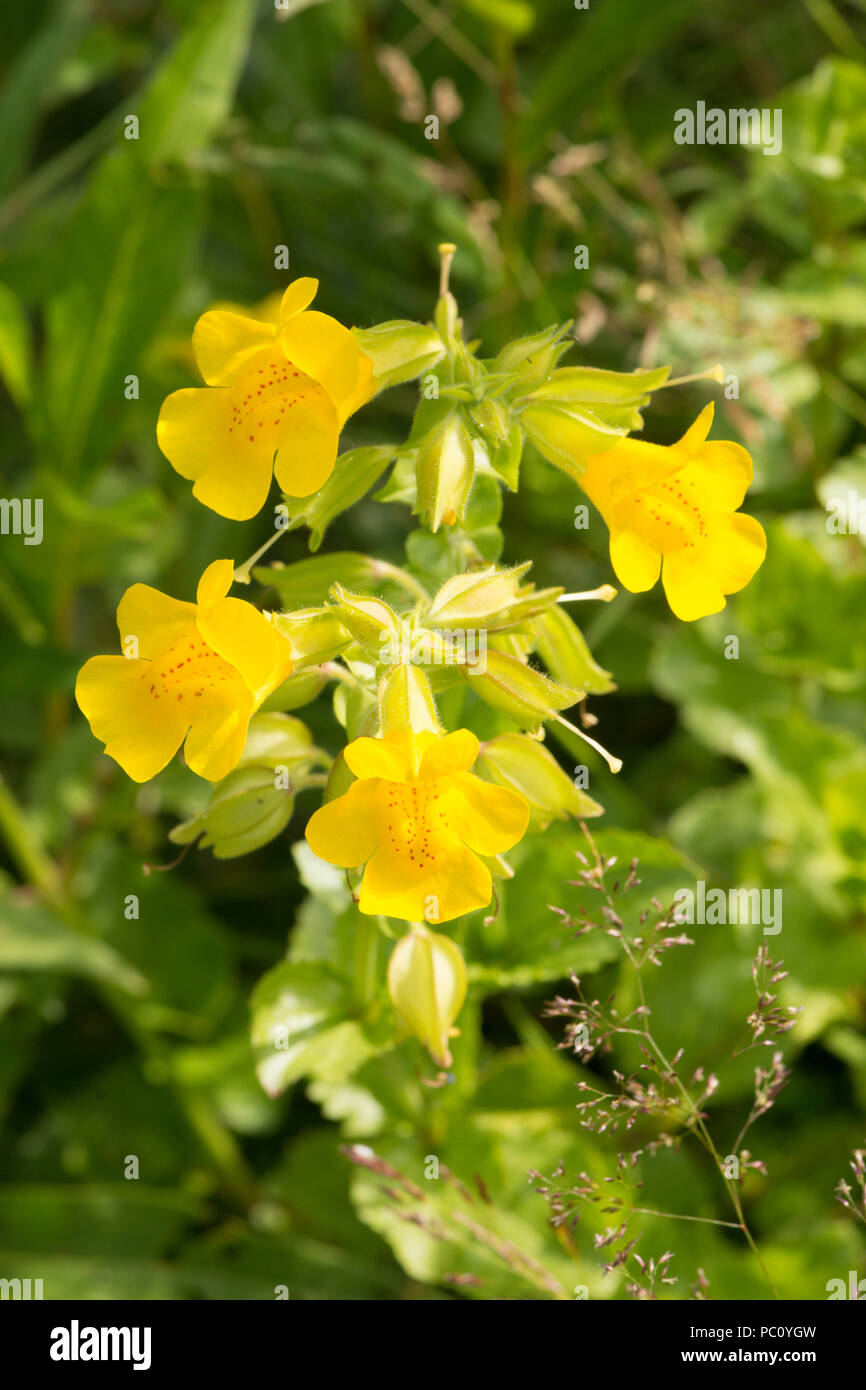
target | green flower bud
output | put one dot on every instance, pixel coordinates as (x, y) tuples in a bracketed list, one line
[(526, 766), (301, 688), (427, 985), (447, 317), (478, 597), (254, 803), (531, 359), (445, 468), (316, 634), (524, 694), (491, 598), (506, 459), (493, 422), (406, 702), (399, 350), (372, 622), (562, 647)]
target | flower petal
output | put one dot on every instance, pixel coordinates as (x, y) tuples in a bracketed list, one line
[(629, 467), (308, 447), (345, 831), (364, 390), (153, 618), (139, 733), (215, 582), (692, 589), (457, 881), (722, 473), (735, 551), (232, 476), (636, 563), (487, 818), (224, 342), (323, 349), (377, 757), (242, 635), (219, 731), (298, 296), (696, 433), (454, 753)]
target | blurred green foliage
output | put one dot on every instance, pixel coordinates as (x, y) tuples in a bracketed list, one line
[(126, 1033)]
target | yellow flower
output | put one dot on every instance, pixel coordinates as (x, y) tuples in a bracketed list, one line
[(278, 394), (194, 671), (418, 819), (427, 985), (675, 510)]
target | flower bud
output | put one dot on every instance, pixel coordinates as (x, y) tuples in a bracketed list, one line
[(524, 694), (301, 688), (445, 468), (476, 598), (427, 985), (371, 621), (399, 350), (446, 316), (532, 358), (315, 634), (493, 422), (526, 766), (562, 647), (491, 598), (406, 702), (254, 803)]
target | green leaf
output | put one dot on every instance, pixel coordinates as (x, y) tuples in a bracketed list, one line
[(132, 240), (354, 474), (300, 1027), (101, 1219), (33, 80), (31, 938), (307, 583), (191, 94), (16, 352)]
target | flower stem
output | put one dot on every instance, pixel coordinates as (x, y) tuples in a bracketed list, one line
[(402, 577), (366, 958), (242, 573)]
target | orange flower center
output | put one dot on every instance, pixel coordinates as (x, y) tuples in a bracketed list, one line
[(669, 514), (186, 670), (413, 825), (261, 401)]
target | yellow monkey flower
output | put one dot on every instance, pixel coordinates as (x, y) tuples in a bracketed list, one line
[(427, 985), (675, 510), (277, 396), (419, 820), (193, 671)]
